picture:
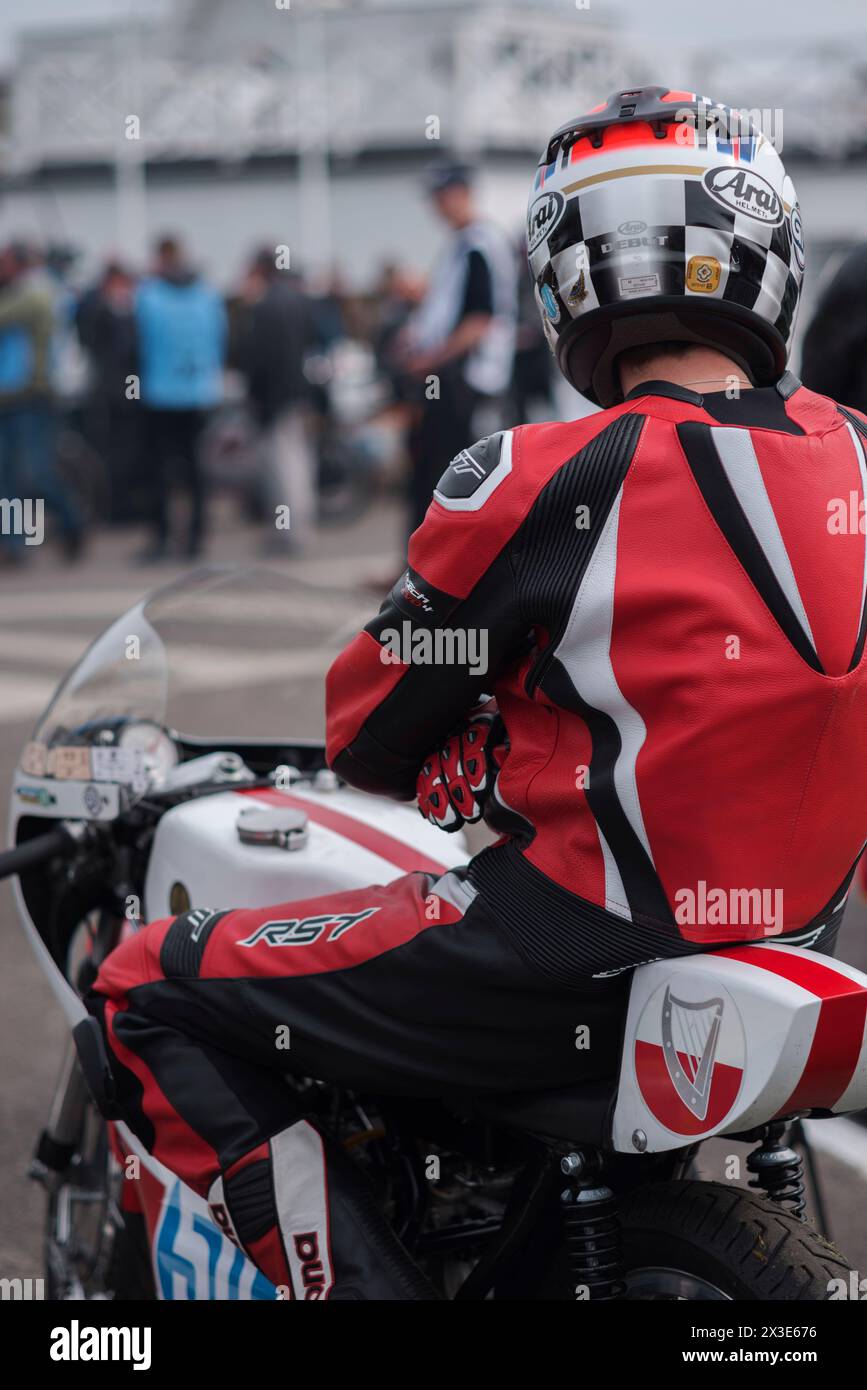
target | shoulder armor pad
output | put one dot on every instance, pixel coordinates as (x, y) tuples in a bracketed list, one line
[(474, 473)]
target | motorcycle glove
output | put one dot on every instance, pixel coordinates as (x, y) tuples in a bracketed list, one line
[(454, 782)]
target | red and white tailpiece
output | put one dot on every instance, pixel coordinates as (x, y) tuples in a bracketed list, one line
[(720, 1043)]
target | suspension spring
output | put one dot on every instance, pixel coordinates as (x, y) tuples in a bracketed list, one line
[(779, 1172), (592, 1232)]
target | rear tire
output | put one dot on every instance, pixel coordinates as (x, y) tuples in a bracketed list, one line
[(736, 1244)]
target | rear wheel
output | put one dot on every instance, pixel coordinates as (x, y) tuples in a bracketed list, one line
[(700, 1241)]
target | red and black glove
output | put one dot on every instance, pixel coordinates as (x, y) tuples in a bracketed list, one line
[(455, 782)]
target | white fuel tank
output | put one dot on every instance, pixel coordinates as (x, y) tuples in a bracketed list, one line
[(352, 839)]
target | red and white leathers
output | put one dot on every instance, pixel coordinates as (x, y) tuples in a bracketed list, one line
[(671, 598), (411, 988), (667, 600)]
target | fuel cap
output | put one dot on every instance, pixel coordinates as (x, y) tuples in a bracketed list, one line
[(282, 826)]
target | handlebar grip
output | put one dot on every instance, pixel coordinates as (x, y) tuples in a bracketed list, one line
[(39, 850)]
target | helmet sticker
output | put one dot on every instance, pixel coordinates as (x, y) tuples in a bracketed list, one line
[(797, 236), (578, 292), (634, 286), (552, 308), (543, 216), (703, 274), (744, 191)]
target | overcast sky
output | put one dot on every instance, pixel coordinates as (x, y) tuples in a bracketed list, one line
[(732, 21), (37, 14), (752, 22)]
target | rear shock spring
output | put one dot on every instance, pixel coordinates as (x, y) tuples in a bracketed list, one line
[(779, 1171), (592, 1232)]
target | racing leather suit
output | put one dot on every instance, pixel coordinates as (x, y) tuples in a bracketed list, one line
[(672, 593), (668, 601)]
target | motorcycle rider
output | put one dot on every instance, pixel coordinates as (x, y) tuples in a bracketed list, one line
[(670, 611)]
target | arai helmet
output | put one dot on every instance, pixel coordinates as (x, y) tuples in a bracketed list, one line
[(661, 216)]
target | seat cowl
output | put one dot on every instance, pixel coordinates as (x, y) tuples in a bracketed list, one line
[(724, 1042)]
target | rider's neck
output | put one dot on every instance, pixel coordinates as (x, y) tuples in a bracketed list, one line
[(700, 369)]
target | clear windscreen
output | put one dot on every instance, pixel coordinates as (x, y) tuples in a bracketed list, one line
[(225, 654)]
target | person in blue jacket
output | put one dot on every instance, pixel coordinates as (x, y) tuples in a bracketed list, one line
[(181, 329), (28, 473)]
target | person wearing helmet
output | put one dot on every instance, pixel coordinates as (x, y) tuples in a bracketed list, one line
[(668, 605)]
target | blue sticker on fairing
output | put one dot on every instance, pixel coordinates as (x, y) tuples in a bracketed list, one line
[(193, 1259)]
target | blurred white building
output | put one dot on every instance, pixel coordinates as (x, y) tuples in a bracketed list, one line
[(308, 122)]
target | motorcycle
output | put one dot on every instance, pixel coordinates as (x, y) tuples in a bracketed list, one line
[(128, 805)]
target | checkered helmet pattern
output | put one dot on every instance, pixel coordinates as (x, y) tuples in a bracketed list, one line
[(659, 216)]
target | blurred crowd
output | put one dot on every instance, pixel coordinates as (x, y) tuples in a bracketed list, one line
[(133, 399)]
